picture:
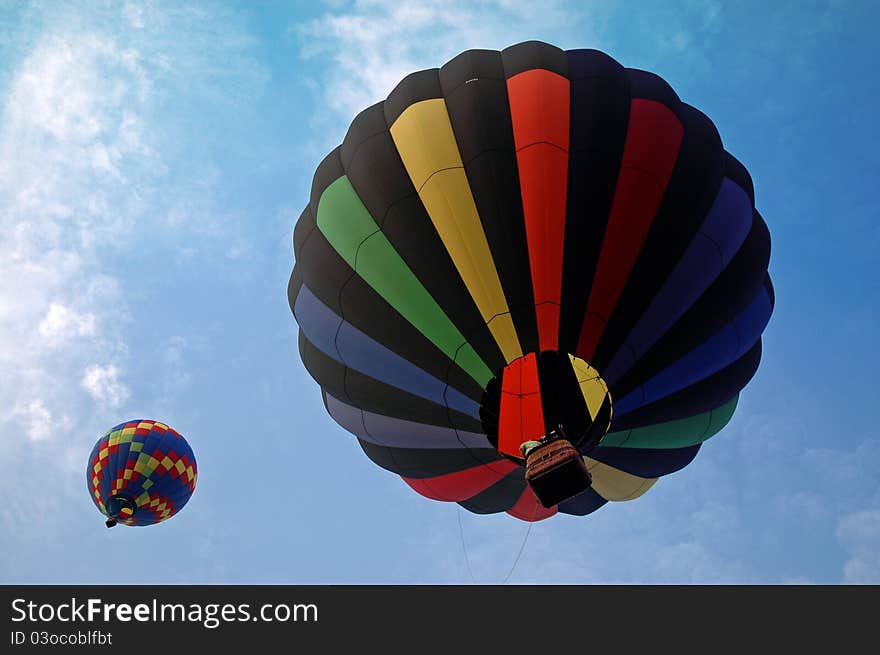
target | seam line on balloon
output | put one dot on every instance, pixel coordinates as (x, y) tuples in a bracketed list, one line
[(357, 148), (439, 170), (538, 143)]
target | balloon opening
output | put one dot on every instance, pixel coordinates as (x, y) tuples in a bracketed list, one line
[(545, 411), (540, 395), (119, 507)]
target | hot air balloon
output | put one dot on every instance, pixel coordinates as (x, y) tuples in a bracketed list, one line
[(524, 243), (141, 472)]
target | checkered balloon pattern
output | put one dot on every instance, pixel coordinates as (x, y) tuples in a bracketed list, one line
[(146, 462)]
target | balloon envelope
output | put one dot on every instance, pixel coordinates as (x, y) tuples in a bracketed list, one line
[(522, 239), (141, 472)]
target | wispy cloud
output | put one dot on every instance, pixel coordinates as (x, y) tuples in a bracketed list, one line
[(97, 162), (370, 45), (170, 358), (103, 384), (859, 533), (73, 160), (61, 323)]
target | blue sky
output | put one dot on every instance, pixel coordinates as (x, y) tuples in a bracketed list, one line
[(153, 160)]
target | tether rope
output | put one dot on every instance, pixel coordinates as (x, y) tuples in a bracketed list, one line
[(515, 561)]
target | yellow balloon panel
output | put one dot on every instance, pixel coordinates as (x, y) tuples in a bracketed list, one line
[(424, 138), (616, 485)]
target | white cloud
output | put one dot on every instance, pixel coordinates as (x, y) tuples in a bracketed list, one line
[(175, 377), (696, 563), (373, 44), (92, 162), (859, 534), (65, 176), (95, 152), (62, 323), (134, 14), (104, 385), (36, 419)]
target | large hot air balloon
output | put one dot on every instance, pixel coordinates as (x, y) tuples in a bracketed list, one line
[(141, 472), (527, 240)]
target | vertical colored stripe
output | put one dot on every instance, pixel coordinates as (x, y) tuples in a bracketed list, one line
[(349, 228), (653, 139), (723, 231), (646, 463), (592, 386), (509, 413), (614, 484), (679, 433), (586, 502), (528, 508), (460, 485), (343, 342), (399, 433), (721, 349), (424, 138), (532, 410), (539, 110), (521, 415)]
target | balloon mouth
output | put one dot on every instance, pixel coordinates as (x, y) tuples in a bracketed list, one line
[(119, 507), (539, 392)]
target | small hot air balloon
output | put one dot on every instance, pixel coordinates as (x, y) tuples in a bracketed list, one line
[(529, 243), (141, 472)]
